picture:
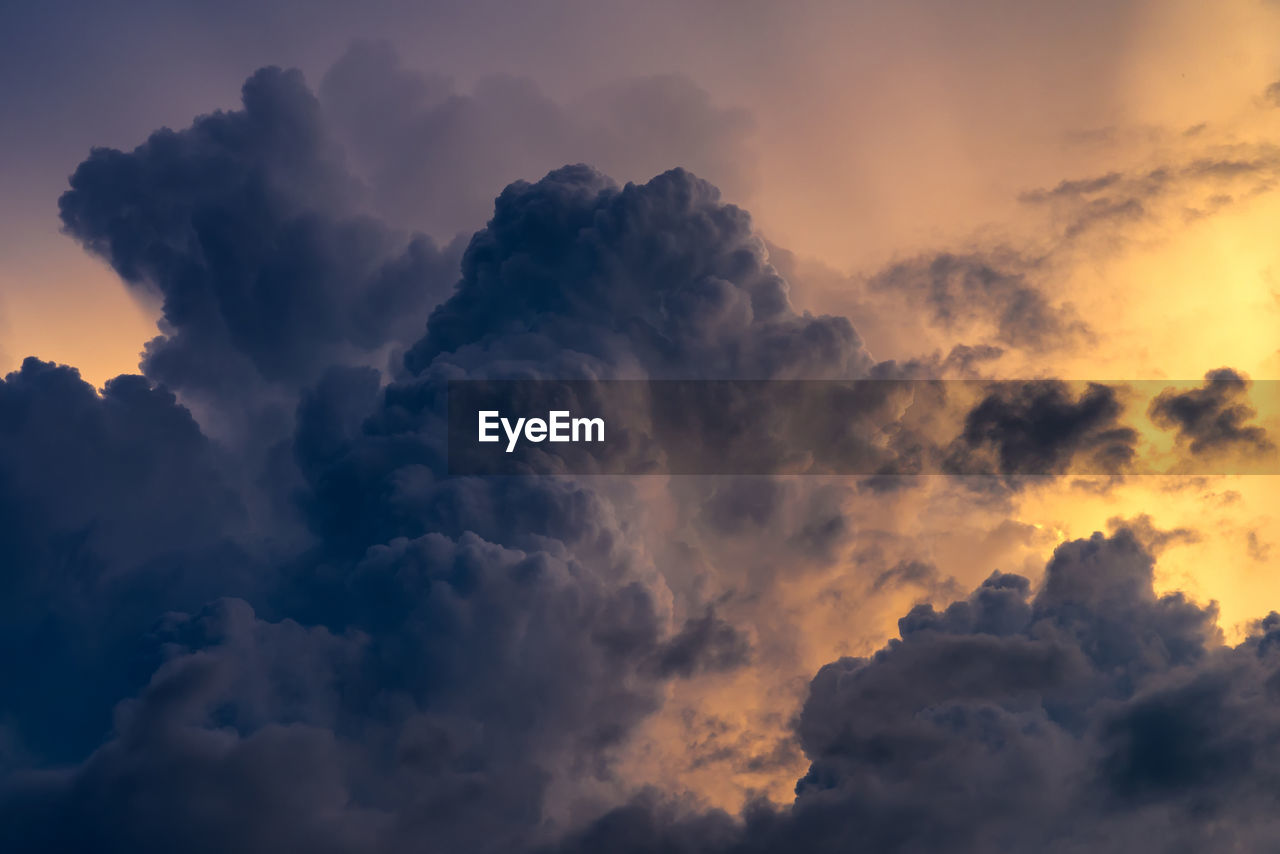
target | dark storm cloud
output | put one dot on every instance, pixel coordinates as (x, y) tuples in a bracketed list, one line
[(1094, 715), (1009, 694), (1214, 417), (244, 226), (576, 275), (436, 157), (113, 509), (442, 652), (234, 737), (441, 649), (1039, 427), (653, 826)]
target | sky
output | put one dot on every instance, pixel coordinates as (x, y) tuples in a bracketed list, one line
[(245, 247)]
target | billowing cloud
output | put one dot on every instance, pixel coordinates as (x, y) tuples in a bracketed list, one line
[(1214, 417), (245, 225), (655, 280), (116, 508), (1038, 428), (1092, 715), (300, 632), (440, 655)]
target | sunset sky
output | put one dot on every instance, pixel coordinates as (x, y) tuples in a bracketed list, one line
[(245, 607)]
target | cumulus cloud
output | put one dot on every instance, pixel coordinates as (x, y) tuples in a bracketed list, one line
[(1092, 715), (459, 663), (440, 654), (659, 280), (246, 226)]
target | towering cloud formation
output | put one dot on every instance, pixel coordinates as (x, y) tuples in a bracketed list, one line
[(246, 226), (462, 644), (306, 636), (660, 279)]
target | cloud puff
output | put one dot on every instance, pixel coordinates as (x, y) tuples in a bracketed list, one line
[(1038, 428), (1092, 715), (1214, 417), (656, 280), (1014, 722), (246, 226)]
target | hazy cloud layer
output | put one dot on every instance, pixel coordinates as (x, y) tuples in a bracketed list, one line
[(435, 157)]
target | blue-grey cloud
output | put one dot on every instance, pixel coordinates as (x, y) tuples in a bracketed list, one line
[(422, 665), (1094, 715), (115, 508), (246, 226), (435, 651)]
